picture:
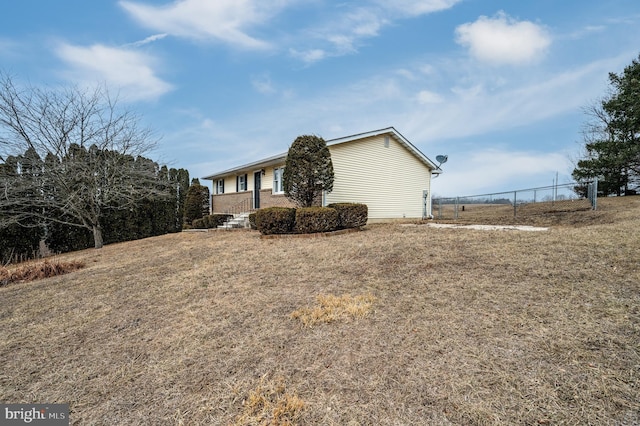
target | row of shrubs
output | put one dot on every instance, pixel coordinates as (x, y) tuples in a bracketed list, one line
[(307, 220), (209, 221)]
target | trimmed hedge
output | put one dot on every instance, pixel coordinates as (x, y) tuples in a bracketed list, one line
[(276, 220), (198, 224), (351, 215), (215, 220), (210, 221), (316, 219)]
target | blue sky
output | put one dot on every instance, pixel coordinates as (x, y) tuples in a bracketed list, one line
[(499, 86)]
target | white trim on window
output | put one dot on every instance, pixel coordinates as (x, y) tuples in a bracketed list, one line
[(220, 186), (242, 183), (278, 187)]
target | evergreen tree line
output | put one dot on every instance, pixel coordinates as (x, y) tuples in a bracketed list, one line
[(28, 176), (612, 137)]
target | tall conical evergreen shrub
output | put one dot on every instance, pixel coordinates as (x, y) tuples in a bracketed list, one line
[(308, 170)]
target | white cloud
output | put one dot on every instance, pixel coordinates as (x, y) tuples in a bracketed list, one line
[(503, 40), (345, 33), (147, 40), (417, 7), (223, 20), (129, 71), (308, 56)]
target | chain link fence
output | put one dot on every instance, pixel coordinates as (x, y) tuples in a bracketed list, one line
[(517, 204)]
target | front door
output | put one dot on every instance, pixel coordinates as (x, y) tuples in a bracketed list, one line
[(256, 189)]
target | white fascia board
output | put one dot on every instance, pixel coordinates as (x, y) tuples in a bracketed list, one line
[(271, 161)]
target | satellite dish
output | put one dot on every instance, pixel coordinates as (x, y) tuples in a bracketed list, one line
[(441, 159)]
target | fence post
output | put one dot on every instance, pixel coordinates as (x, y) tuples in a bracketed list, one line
[(515, 203), (592, 193), (425, 194), (455, 216)]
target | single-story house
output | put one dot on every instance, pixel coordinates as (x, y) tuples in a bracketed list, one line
[(381, 169)]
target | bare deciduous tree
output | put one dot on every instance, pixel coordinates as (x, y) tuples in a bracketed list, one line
[(86, 155)]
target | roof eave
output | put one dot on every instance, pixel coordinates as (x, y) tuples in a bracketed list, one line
[(277, 159), (271, 161)]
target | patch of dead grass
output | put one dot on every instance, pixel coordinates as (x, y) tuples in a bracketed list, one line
[(270, 404), (332, 308), (37, 270)]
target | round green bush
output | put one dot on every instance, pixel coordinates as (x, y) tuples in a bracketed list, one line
[(316, 219), (351, 215), (276, 220)]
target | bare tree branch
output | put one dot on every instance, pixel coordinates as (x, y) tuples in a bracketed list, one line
[(87, 157)]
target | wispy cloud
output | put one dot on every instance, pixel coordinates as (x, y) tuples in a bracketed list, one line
[(308, 56), (484, 107), (341, 35), (503, 40), (129, 71), (416, 7), (263, 84), (586, 31), (227, 21), (346, 32), (147, 40), (627, 20)]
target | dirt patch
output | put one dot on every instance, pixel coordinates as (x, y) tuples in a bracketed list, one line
[(526, 228)]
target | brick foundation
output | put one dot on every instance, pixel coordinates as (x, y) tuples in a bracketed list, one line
[(223, 203), (267, 199)]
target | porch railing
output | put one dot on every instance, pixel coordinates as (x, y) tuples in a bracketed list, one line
[(244, 206)]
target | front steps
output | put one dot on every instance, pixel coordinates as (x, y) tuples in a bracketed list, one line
[(238, 221)]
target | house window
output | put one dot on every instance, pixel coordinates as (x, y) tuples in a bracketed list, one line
[(241, 183), (220, 186), (278, 187)]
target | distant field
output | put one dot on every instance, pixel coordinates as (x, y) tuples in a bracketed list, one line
[(539, 213), (453, 326)]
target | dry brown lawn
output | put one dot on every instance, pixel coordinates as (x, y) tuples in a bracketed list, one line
[(463, 327)]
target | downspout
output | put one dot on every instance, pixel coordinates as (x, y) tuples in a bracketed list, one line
[(433, 176)]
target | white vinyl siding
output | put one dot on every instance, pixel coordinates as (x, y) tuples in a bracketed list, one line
[(390, 180), (266, 181), (229, 184)]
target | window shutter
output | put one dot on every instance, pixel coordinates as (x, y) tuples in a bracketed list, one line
[(222, 187), (246, 182), (237, 183)]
